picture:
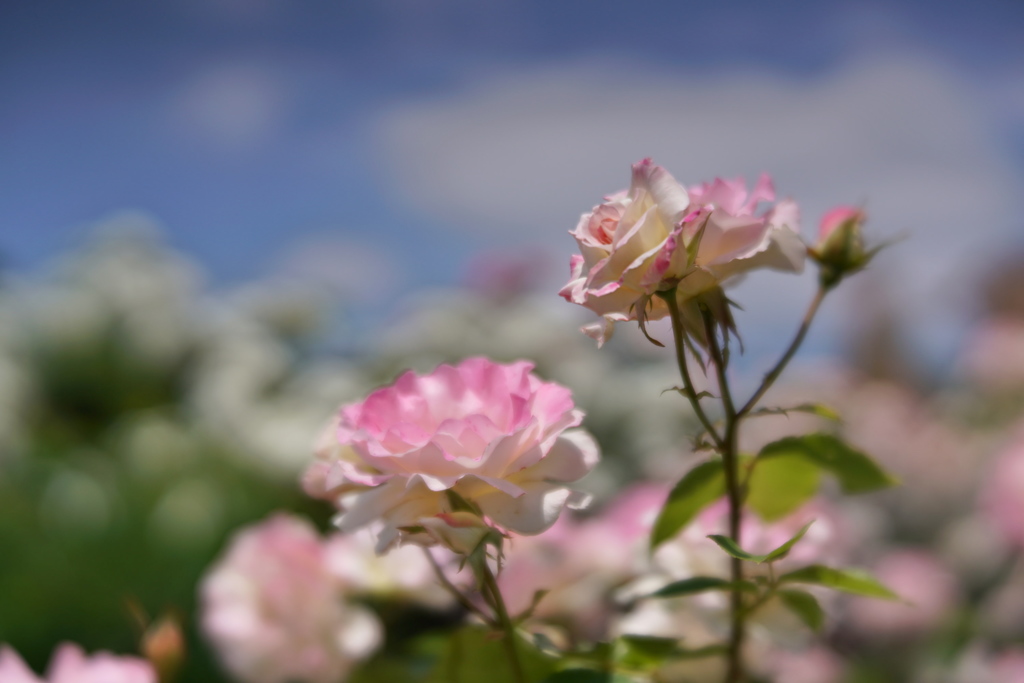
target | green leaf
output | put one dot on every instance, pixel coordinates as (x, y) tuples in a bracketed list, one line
[(477, 655), (587, 676), (854, 581), (805, 606), (811, 408), (644, 653), (784, 549), (699, 584), (730, 546), (700, 487), (856, 472), (779, 485)]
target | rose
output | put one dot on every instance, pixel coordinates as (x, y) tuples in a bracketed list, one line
[(659, 236), (70, 665), (275, 609), (479, 434)]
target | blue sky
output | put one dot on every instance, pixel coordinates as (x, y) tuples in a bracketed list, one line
[(397, 138)]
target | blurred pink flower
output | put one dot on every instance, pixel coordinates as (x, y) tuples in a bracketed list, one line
[(811, 665), (1002, 493), (275, 611), (71, 665), (929, 589), (980, 666), (493, 434), (994, 355), (658, 236)]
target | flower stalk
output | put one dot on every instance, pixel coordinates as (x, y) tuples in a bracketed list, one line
[(489, 587), (726, 440)]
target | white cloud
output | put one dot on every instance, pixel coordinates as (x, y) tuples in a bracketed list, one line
[(522, 153), (354, 270), (232, 105)]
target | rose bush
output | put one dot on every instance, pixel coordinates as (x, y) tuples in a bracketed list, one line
[(658, 235), (71, 665), (479, 433)]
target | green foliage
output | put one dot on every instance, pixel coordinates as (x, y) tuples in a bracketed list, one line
[(855, 581), (730, 546), (587, 676), (779, 485), (644, 653), (810, 408), (699, 584), (698, 488), (805, 606), (856, 472), (477, 655)]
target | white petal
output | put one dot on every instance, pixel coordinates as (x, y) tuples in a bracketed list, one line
[(571, 457), (530, 514)]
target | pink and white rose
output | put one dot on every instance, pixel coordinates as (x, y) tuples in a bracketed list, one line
[(276, 611), (71, 665), (496, 435), (659, 235)]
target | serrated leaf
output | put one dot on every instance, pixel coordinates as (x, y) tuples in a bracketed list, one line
[(699, 584), (730, 547), (805, 606), (855, 581), (700, 487), (856, 472), (779, 485), (810, 408)]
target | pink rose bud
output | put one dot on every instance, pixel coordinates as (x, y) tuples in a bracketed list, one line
[(164, 646), (840, 247)]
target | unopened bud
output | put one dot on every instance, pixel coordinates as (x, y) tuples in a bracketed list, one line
[(164, 646), (840, 248)]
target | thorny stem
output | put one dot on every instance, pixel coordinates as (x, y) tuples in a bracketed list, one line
[(726, 444), (684, 371), (730, 457), (464, 601), (490, 585), (774, 373)]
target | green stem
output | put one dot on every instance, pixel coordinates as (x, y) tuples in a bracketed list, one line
[(490, 584), (679, 334), (774, 373), (460, 598), (730, 462)]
